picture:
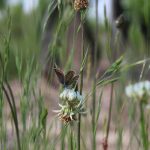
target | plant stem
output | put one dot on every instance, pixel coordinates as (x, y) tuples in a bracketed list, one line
[(79, 125), (71, 139), (11, 102), (105, 144), (63, 137), (13, 111), (94, 81), (143, 127), (81, 85)]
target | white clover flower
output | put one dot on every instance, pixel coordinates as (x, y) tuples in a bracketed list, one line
[(73, 104), (129, 91), (64, 94), (72, 95), (138, 90)]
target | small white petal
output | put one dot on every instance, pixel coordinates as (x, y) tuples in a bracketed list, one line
[(71, 117), (56, 111), (62, 106), (129, 91)]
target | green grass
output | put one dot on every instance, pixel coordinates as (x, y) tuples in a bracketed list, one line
[(28, 116)]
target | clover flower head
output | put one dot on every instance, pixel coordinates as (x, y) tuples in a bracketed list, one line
[(138, 90), (73, 104), (71, 95), (64, 94), (66, 114)]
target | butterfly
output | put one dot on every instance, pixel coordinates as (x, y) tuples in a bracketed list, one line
[(67, 79)]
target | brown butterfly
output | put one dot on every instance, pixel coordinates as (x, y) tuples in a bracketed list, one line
[(66, 79)]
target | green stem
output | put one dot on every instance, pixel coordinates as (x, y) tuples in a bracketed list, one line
[(105, 146), (63, 137), (143, 127), (81, 86), (94, 81), (14, 116), (71, 139), (11, 102)]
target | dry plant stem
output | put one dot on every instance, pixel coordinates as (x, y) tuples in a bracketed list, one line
[(81, 87), (105, 144), (94, 81)]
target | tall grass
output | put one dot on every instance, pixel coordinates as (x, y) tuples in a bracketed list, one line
[(31, 119)]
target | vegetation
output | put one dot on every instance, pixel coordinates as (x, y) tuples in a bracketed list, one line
[(97, 110)]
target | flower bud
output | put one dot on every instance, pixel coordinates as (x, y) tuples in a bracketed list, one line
[(80, 4)]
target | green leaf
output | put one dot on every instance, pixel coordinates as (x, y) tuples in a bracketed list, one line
[(115, 67), (51, 7), (84, 61), (98, 111), (43, 117), (107, 81)]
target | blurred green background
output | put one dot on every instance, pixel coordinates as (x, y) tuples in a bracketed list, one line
[(27, 29)]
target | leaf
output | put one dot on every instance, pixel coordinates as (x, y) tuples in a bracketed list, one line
[(107, 81), (115, 67), (84, 61), (51, 8), (43, 117)]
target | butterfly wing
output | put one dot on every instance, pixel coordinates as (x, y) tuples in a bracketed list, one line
[(69, 76), (74, 80), (60, 75)]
